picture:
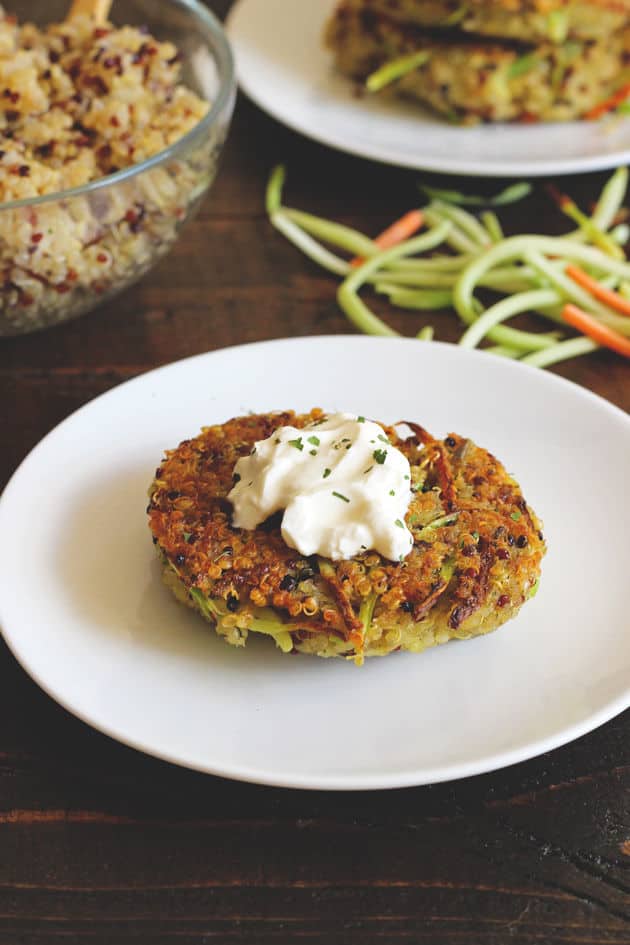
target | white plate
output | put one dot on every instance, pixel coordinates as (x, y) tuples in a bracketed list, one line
[(84, 611), (283, 67)]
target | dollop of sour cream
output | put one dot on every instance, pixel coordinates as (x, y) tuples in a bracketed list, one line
[(344, 488)]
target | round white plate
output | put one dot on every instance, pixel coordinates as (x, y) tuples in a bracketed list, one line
[(84, 611), (283, 67)]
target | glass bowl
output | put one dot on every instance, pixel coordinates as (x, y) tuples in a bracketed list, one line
[(64, 253)]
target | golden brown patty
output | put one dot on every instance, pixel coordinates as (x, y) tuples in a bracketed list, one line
[(530, 21), (468, 79), (476, 555)]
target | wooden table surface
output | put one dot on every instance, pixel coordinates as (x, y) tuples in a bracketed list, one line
[(100, 844)]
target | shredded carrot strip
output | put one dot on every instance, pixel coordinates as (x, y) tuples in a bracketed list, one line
[(398, 232), (590, 327), (607, 106), (599, 291)]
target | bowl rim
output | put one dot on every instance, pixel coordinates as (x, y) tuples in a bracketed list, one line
[(227, 87)]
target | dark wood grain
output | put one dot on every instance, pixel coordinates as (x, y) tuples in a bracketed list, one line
[(102, 845)]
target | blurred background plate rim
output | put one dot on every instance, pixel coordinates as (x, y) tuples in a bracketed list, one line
[(311, 121)]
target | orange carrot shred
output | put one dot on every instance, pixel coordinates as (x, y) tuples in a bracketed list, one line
[(608, 104), (594, 329), (598, 290), (397, 233)]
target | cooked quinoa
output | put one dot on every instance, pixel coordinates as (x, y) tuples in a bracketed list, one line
[(471, 79), (525, 20), (475, 560), (80, 102)]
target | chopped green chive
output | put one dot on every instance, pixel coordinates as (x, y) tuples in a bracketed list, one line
[(326, 474), (475, 535), (187, 536), (297, 443), (399, 523), (312, 452), (361, 420), (391, 492), (383, 439), (380, 456), (369, 469), (338, 495), (314, 440), (515, 516), (407, 477)]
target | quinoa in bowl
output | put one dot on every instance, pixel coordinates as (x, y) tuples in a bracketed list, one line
[(104, 153)]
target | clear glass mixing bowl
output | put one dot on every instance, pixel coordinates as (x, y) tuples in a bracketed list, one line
[(64, 253)]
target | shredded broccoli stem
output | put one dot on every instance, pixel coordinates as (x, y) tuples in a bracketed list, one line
[(505, 278), (621, 234), (558, 26), (506, 308), (456, 16), (468, 224), (502, 352), (522, 65), (611, 199), (437, 523), (516, 247), (491, 222), (263, 620), (423, 300), (205, 604), (343, 237), (354, 307), (456, 238), (310, 247), (366, 611), (511, 194), (417, 280), (396, 69), (563, 351), (590, 229), (568, 290), (273, 197), (433, 264), (527, 270)]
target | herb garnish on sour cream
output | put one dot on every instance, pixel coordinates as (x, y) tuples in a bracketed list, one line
[(340, 498)]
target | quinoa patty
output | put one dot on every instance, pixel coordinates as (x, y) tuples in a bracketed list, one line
[(527, 20), (475, 560), (469, 80)]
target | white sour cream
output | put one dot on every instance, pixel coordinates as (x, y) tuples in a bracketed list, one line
[(343, 487)]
